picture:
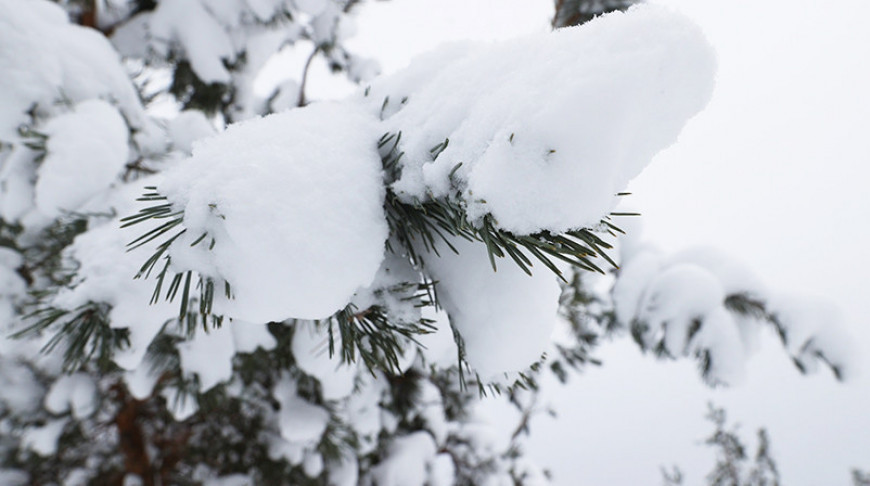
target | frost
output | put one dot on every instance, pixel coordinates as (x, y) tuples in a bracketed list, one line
[(549, 128), (294, 202), (79, 165)]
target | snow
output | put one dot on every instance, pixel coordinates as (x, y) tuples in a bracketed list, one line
[(209, 355), (312, 465), (294, 202), (547, 128), (310, 7), (78, 165), (140, 382), (310, 349), (22, 392), (12, 477), (248, 337), (663, 295), (505, 317), (181, 405), (407, 461), (105, 274), (43, 439), (76, 393), (363, 413), (345, 472), (41, 62), (815, 329), (204, 41), (301, 422), (442, 470), (674, 299), (230, 480), (188, 127)]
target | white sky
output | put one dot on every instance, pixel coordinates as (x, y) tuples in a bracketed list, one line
[(774, 172)]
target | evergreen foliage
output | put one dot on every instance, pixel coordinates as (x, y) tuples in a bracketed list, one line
[(281, 413)]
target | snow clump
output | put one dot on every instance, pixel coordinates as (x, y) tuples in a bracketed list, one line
[(547, 129), (294, 202)]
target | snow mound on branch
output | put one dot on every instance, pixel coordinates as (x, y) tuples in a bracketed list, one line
[(79, 165), (505, 318), (203, 39), (689, 304), (42, 61), (294, 202), (76, 393), (408, 461), (549, 128), (311, 351), (814, 330)]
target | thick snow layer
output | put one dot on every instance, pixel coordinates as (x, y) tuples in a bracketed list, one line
[(311, 351), (44, 59), (548, 129), (105, 274), (79, 164), (188, 127), (295, 204), (204, 41), (664, 296), (506, 317)]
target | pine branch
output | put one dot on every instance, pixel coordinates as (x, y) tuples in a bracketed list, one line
[(437, 220), (83, 333), (374, 335), (187, 282)]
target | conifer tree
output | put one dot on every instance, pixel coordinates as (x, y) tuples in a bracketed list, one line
[(323, 295)]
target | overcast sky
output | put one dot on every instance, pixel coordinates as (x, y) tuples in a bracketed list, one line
[(775, 173)]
